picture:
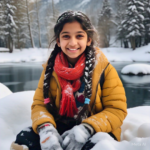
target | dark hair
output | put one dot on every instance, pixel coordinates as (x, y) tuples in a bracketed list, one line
[(71, 16)]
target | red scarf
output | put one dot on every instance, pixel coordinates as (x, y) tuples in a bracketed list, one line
[(65, 75)]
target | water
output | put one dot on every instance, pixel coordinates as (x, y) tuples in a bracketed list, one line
[(25, 76), (137, 88)]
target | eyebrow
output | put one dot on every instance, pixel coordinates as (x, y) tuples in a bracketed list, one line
[(76, 32)]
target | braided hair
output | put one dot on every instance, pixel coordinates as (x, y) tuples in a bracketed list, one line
[(68, 17)]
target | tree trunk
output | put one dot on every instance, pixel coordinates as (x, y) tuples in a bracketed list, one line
[(10, 44), (146, 41), (132, 41), (121, 42), (29, 25), (126, 45), (39, 28)]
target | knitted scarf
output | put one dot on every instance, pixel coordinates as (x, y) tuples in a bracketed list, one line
[(65, 76)]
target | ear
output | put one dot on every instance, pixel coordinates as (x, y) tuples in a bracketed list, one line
[(89, 42), (58, 42)]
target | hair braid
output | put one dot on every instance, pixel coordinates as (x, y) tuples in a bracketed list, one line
[(90, 61), (47, 76), (89, 67)]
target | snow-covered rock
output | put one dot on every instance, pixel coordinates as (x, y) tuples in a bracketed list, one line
[(15, 115), (136, 69), (4, 91), (136, 79)]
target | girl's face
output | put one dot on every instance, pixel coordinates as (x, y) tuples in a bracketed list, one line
[(73, 41)]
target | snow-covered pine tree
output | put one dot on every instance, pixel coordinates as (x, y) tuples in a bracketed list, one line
[(9, 21), (147, 21), (52, 14), (104, 24), (120, 18), (2, 25), (133, 22), (22, 32)]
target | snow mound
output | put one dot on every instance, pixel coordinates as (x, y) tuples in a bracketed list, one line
[(4, 91), (135, 133), (136, 69), (15, 115)]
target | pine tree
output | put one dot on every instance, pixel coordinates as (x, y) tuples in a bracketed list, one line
[(104, 24), (120, 18), (52, 14), (147, 21), (9, 23), (2, 24), (22, 33), (133, 23)]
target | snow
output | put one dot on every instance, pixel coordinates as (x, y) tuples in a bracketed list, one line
[(4, 91), (127, 54), (141, 16), (135, 132), (15, 114), (136, 69), (12, 20), (42, 54), (25, 55)]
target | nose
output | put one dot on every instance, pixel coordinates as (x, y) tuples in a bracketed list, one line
[(72, 42)]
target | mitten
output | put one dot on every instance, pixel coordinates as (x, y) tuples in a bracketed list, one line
[(49, 137), (75, 138)]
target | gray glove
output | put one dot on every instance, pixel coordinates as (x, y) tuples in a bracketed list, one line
[(75, 138), (49, 137)]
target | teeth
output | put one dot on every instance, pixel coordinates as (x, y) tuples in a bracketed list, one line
[(72, 49)]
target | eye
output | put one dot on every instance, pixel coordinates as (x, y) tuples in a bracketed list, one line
[(66, 36), (80, 36)]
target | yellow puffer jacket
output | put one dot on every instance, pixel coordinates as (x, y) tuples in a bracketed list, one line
[(109, 107)]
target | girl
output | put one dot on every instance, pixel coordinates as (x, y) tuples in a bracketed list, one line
[(79, 92)]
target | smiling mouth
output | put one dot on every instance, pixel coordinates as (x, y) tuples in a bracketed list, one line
[(73, 49)]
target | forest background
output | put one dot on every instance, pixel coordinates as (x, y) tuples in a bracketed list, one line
[(29, 23)]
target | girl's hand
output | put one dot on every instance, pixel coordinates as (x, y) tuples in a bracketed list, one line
[(75, 138), (49, 137)]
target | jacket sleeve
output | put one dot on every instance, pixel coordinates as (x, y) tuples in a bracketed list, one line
[(114, 104), (39, 113)]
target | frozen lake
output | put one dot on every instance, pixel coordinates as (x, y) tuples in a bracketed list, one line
[(25, 76)]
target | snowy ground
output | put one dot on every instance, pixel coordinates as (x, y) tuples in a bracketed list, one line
[(127, 54), (112, 53), (26, 55), (15, 114)]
